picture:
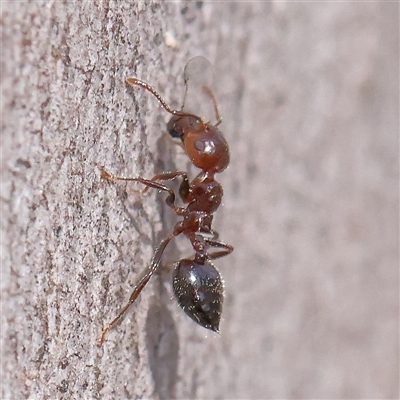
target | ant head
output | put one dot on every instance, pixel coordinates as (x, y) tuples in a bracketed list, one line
[(204, 143), (199, 290)]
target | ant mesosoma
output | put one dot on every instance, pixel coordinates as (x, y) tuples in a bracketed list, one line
[(197, 284)]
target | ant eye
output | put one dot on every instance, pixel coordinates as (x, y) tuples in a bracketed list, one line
[(180, 125), (174, 128), (199, 290)]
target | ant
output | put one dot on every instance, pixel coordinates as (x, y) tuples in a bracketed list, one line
[(197, 284)]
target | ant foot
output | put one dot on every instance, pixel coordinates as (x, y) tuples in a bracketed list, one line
[(100, 341), (105, 174)]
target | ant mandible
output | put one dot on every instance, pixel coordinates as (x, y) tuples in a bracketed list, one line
[(197, 284)]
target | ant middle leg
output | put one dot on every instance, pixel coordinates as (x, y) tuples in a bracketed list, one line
[(201, 242), (211, 234), (227, 248), (170, 200)]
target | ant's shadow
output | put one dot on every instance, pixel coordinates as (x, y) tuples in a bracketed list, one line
[(163, 348)]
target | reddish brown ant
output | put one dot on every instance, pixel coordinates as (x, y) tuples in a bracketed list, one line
[(197, 284)]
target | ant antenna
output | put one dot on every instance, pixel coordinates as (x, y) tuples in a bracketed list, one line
[(146, 86)]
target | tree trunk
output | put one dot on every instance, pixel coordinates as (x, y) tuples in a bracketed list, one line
[(309, 97)]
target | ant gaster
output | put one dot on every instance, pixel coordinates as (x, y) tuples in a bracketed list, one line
[(197, 284)]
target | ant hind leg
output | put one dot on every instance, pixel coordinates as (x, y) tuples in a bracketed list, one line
[(155, 263)]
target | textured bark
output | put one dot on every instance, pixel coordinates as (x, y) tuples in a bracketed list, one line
[(309, 96)]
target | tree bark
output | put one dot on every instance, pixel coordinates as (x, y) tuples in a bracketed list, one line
[(309, 97)]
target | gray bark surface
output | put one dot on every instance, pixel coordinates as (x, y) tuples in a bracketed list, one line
[(310, 101)]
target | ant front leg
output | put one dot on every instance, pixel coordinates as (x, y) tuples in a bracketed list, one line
[(170, 200), (210, 94), (155, 262), (227, 248), (184, 186)]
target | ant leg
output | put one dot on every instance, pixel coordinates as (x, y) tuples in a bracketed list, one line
[(211, 234), (184, 186), (155, 262), (200, 242), (170, 200), (227, 248), (215, 234)]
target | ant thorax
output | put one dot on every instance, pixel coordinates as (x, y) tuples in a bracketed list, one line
[(205, 194)]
